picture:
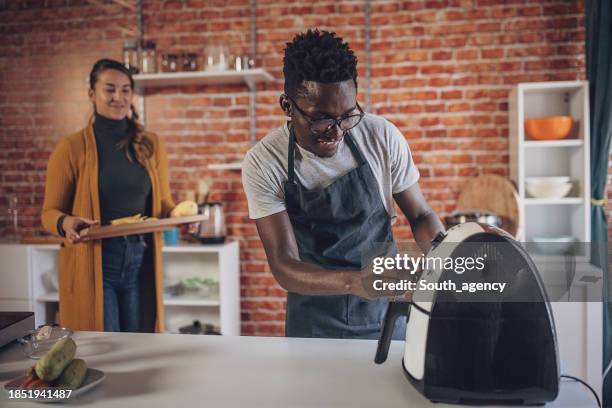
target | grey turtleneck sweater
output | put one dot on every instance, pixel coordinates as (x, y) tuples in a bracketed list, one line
[(125, 187)]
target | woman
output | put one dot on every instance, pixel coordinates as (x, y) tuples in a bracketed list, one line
[(110, 169)]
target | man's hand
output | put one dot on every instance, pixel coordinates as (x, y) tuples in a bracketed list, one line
[(73, 225), (423, 220)]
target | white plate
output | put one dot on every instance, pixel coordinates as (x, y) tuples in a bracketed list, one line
[(93, 378)]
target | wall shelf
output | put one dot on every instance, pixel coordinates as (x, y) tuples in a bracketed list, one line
[(250, 77), (225, 166)]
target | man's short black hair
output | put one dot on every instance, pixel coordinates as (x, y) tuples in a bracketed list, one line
[(317, 56)]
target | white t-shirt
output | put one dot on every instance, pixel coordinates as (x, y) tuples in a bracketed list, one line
[(264, 171)]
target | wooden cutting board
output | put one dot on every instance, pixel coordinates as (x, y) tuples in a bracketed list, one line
[(42, 239), (142, 227), (496, 194)]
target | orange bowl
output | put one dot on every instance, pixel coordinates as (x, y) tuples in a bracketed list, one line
[(548, 128)]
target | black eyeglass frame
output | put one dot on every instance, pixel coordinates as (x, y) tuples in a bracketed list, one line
[(337, 122)]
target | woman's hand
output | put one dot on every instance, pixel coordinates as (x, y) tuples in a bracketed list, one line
[(72, 226)]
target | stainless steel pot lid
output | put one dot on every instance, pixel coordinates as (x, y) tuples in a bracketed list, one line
[(475, 215)]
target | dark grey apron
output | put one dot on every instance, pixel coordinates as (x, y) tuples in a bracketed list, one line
[(334, 226)]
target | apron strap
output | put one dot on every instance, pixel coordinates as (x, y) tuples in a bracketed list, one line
[(290, 159), (290, 169), (354, 148)]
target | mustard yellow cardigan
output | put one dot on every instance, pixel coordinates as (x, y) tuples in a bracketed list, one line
[(72, 189)]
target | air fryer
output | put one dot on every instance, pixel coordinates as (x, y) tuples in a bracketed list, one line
[(479, 348)]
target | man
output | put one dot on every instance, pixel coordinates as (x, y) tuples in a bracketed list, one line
[(321, 190)]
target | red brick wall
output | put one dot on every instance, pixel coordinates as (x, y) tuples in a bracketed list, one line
[(441, 71)]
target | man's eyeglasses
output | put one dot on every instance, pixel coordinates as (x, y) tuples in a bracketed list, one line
[(318, 126)]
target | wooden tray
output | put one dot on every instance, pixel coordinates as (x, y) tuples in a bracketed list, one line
[(42, 239), (142, 227)]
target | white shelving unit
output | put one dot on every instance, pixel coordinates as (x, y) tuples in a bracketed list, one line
[(219, 262), (33, 270), (568, 157), (578, 321)]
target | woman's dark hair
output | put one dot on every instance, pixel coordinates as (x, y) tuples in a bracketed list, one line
[(136, 140), (317, 56)]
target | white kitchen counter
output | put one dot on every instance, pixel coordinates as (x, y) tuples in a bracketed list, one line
[(174, 370)]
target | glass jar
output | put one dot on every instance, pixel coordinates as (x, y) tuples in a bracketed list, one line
[(169, 63), (130, 56), (148, 60), (190, 61), (216, 58), (242, 63)]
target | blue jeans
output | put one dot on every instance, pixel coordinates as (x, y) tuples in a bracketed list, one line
[(122, 259)]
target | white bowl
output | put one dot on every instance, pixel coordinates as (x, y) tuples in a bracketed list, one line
[(36, 343), (548, 180), (553, 245), (548, 190)]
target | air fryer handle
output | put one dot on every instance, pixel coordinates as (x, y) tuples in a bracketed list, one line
[(394, 310)]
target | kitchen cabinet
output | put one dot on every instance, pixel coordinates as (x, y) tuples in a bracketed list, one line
[(30, 273), (218, 262)]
